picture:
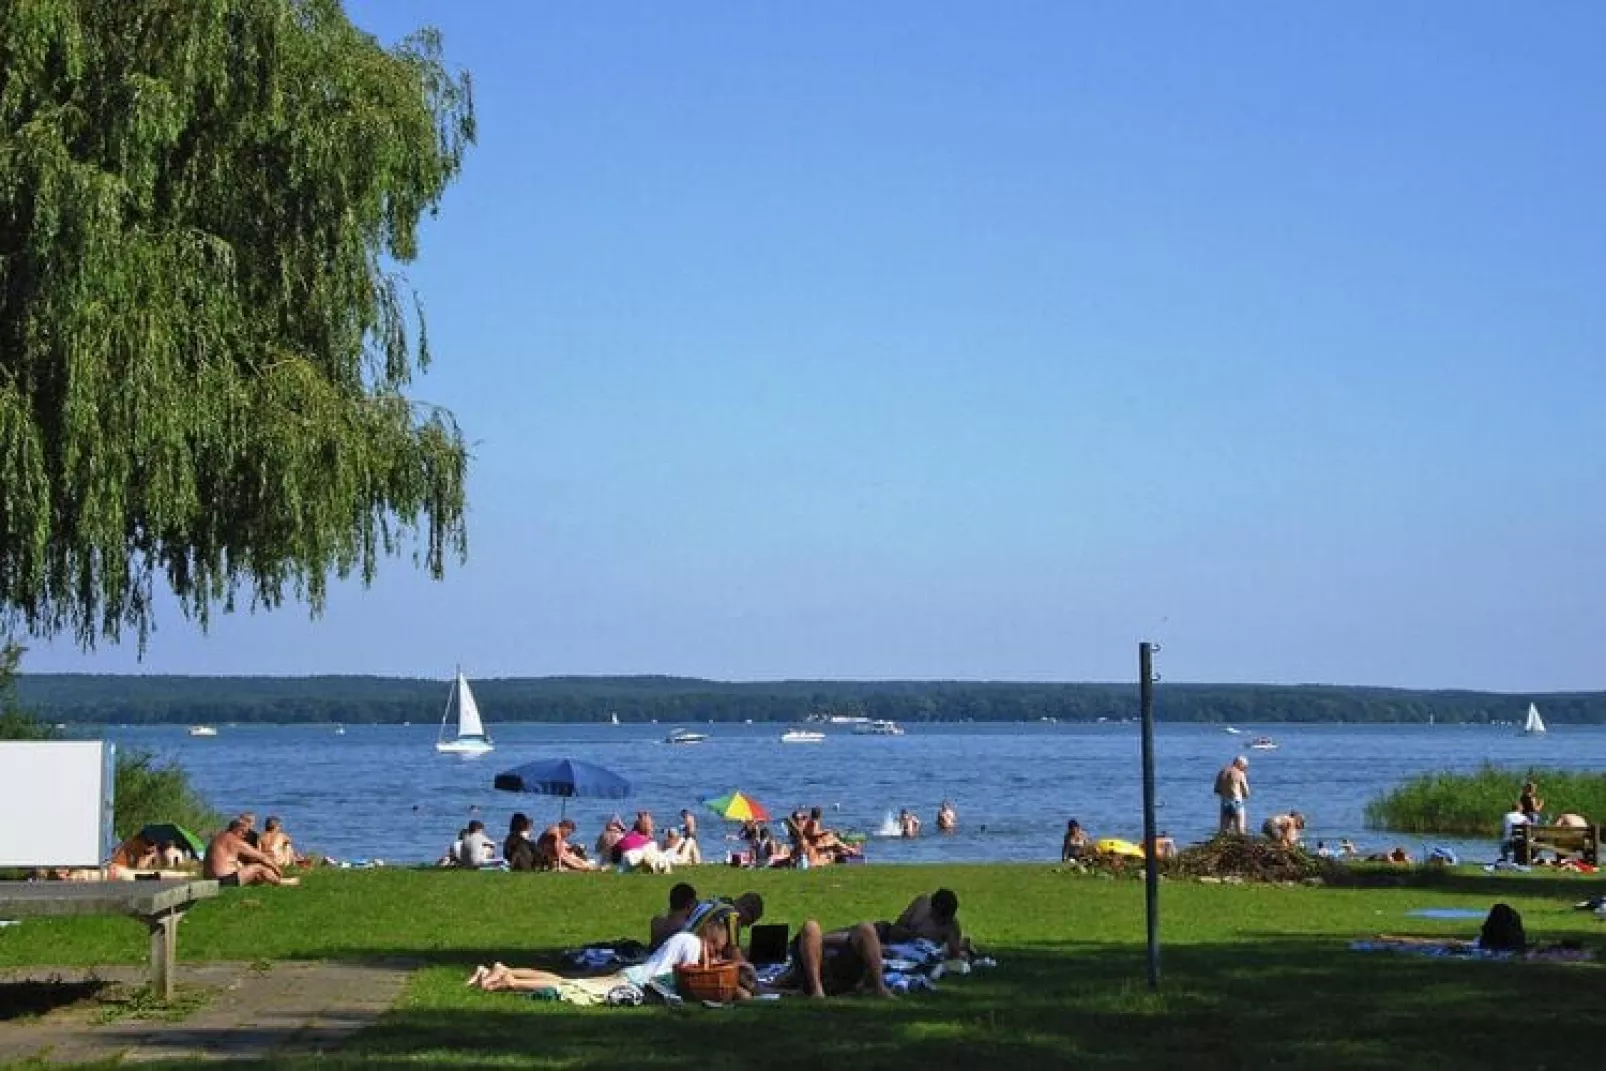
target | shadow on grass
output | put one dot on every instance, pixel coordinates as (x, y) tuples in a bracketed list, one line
[(22, 1000), (1560, 885), (1268, 1001)]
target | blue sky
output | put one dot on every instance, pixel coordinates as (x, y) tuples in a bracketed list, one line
[(982, 341)]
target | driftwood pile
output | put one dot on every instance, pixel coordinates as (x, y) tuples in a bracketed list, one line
[(1227, 858), (1249, 859)]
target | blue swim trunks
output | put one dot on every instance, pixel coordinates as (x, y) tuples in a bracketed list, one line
[(1232, 808)]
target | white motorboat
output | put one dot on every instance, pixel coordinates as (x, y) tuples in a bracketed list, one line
[(1263, 743), (1233, 730), (202, 730), (878, 728), (685, 736), (801, 736), (1535, 724), (471, 738)]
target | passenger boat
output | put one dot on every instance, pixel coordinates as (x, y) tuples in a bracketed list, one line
[(801, 736)]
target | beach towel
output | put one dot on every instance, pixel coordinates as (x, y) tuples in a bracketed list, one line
[(606, 955), (1469, 950)]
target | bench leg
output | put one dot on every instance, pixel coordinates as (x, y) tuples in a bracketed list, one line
[(164, 948)]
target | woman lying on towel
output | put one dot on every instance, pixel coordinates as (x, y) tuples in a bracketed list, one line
[(705, 940)]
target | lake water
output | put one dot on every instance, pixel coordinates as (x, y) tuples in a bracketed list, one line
[(381, 791)]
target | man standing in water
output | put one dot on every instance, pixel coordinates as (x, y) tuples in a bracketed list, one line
[(1232, 785)]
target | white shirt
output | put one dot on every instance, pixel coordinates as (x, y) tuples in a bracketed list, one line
[(682, 948), (1509, 824), (475, 849)]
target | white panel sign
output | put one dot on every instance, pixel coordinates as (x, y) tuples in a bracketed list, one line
[(56, 802)]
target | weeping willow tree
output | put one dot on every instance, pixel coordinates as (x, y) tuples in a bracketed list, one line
[(205, 339)]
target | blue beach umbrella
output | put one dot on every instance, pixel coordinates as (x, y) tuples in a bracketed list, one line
[(565, 778)]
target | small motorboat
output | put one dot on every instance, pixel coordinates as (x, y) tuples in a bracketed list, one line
[(685, 736), (1231, 729), (878, 728), (801, 736), (1263, 743), (202, 730)]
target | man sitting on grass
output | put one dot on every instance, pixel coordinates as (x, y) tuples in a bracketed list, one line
[(553, 851), (231, 861), (682, 898)]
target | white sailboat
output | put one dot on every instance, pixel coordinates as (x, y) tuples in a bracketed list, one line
[(470, 738), (1534, 724)]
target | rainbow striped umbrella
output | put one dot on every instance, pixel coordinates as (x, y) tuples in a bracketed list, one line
[(738, 807)]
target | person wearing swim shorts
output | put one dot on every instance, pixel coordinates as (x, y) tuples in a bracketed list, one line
[(230, 861), (835, 963), (1232, 785)]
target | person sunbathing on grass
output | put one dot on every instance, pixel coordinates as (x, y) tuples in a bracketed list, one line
[(935, 918), (748, 908), (552, 850), (836, 963), (681, 850), (136, 857), (707, 943), (277, 845)]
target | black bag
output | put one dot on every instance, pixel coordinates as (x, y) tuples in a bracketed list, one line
[(1502, 931)]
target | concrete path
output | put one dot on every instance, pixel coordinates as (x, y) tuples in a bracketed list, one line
[(286, 1009)]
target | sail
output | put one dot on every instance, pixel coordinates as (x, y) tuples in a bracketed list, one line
[(468, 711), (1534, 724)]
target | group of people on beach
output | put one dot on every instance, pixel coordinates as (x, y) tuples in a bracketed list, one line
[(637, 847), (1527, 812), (806, 841), (703, 932), (238, 854)]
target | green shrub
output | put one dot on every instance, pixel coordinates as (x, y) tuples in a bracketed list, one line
[(148, 792), (1473, 804)]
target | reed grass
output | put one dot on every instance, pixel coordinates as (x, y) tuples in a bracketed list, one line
[(1473, 804)]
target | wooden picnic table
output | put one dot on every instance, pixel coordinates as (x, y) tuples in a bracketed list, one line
[(159, 904)]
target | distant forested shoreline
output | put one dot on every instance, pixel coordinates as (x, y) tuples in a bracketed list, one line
[(140, 700)]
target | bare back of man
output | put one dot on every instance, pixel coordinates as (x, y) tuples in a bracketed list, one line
[(231, 861), (935, 918)]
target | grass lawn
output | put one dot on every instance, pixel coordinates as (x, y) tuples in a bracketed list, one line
[(1252, 975)]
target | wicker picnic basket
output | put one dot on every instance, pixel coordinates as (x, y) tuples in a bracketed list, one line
[(715, 981)]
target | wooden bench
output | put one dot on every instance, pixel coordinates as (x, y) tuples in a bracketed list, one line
[(1577, 842), (159, 904)]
